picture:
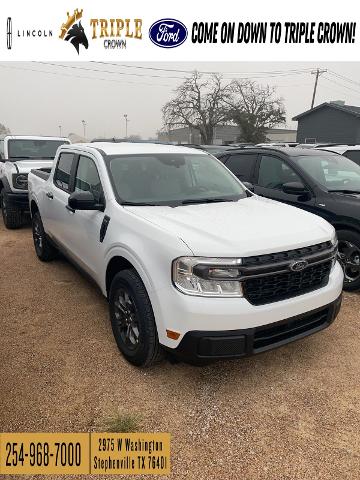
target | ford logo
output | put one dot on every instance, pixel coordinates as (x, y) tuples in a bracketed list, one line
[(168, 33), (298, 266)]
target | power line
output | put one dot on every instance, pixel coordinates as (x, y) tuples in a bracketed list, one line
[(342, 77), (86, 77), (104, 71), (341, 85), (269, 74), (280, 72)]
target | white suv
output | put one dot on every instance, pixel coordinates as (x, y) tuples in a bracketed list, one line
[(189, 259)]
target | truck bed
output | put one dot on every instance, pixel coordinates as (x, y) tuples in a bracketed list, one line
[(43, 173)]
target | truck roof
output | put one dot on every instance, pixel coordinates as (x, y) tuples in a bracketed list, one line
[(126, 148)]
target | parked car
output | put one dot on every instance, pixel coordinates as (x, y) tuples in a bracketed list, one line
[(18, 155), (189, 260), (317, 145), (350, 151), (320, 182), (216, 149), (277, 144)]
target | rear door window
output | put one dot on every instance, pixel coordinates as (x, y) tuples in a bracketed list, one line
[(242, 165)]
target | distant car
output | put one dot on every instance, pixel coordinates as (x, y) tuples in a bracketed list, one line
[(239, 145), (216, 149), (277, 144), (320, 182), (350, 151), (317, 145)]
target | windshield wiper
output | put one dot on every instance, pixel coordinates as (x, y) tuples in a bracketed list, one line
[(206, 200), (140, 204), (344, 191)]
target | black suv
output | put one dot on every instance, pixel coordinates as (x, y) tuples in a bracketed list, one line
[(320, 182)]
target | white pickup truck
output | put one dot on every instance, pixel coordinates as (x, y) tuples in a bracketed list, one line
[(190, 261), (18, 155)]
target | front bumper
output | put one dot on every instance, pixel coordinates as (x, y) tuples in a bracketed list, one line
[(199, 347), (19, 200), (184, 313)]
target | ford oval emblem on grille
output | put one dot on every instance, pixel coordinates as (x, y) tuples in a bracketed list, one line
[(298, 266), (168, 33)]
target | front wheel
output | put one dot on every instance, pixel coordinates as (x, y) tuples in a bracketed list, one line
[(12, 216), (132, 320), (349, 254)]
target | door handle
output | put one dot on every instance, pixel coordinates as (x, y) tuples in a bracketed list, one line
[(50, 195)]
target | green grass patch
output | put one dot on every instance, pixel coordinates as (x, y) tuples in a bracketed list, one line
[(123, 423)]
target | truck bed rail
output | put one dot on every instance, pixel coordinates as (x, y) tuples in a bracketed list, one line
[(43, 173)]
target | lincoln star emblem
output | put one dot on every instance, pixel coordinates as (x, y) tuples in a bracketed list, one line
[(298, 266)]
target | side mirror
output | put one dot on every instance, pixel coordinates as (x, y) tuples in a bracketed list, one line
[(249, 186), (295, 188), (84, 201)]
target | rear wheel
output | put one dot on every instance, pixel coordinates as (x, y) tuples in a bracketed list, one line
[(12, 216), (349, 253), (132, 320), (43, 248)]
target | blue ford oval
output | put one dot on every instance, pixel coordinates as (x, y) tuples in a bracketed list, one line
[(168, 33)]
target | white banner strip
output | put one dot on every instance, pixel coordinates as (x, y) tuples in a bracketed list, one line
[(179, 31)]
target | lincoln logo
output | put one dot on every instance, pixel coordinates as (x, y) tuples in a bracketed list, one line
[(298, 266), (9, 33)]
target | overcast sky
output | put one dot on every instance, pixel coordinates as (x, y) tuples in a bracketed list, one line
[(36, 98)]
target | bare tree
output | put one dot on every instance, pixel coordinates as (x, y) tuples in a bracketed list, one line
[(199, 104), (255, 109), (4, 130), (134, 138)]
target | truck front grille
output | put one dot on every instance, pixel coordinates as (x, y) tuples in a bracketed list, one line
[(269, 278)]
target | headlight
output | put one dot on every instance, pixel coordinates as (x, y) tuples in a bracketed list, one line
[(207, 277), (334, 239), (20, 181)]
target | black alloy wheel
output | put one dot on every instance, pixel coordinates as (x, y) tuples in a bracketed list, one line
[(126, 318), (349, 255)]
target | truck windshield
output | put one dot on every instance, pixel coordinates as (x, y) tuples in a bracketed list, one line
[(172, 179), (335, 172), (31, 149)]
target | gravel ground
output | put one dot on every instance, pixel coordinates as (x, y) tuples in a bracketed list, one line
[(292, 413)]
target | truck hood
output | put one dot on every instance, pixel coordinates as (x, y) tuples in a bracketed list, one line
[(251, 226), (25, 166)]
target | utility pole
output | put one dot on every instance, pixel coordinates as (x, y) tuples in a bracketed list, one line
[(316, 72), (126, 122), (60, 130), (84, 127)]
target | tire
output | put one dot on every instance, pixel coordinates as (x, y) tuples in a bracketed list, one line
[(349, 253), (132, 320), (12, 216), (43, 248)]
